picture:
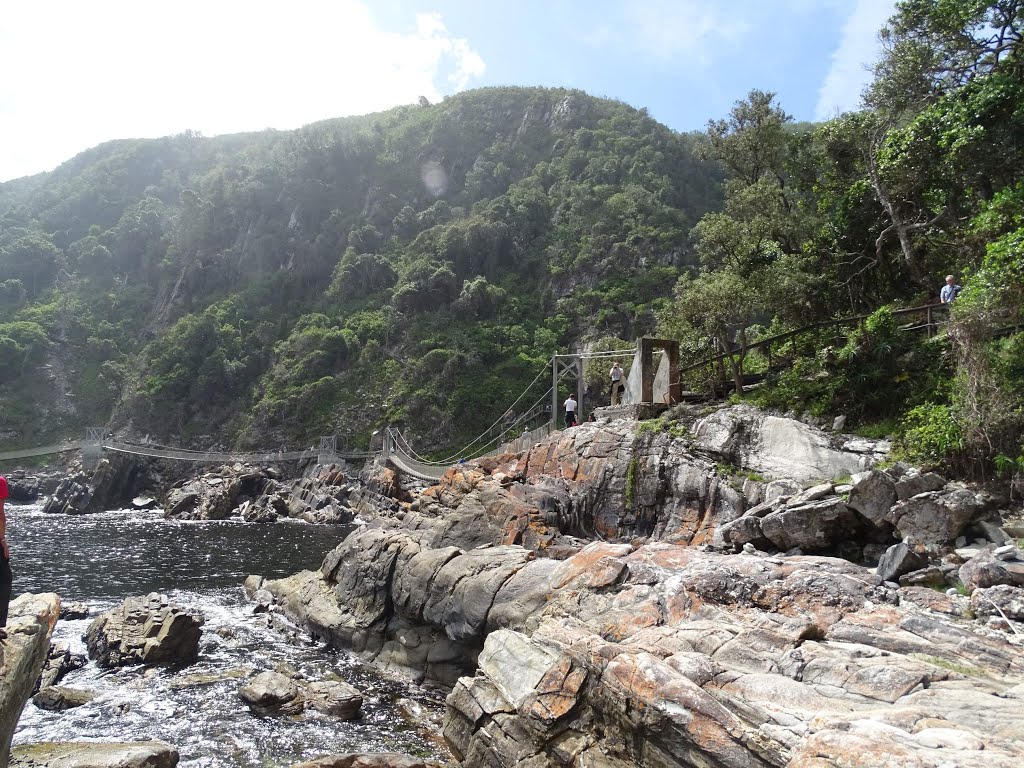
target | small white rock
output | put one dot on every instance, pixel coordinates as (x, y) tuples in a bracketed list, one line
[(951, 592), (749, 548)]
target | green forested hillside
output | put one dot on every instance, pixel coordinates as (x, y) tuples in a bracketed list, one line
[(869, 212), (414, 266), (419, 266)]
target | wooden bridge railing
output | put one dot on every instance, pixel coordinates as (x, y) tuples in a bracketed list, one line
[(930, 324)]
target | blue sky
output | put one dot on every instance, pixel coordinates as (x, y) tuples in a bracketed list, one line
[(125, 69)]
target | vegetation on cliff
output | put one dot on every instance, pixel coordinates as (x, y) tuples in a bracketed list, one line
[(414, 266), (420, 265), (872, 210)]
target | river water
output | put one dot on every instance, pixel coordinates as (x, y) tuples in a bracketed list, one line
[(101, 559)]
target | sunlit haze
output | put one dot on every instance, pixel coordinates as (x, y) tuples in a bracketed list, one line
[(77, 74)]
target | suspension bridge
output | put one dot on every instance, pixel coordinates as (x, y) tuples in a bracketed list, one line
[(654, 378)]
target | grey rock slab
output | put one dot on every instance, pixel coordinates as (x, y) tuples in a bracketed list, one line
[(993, 532), (873, 495), (57, 698), (934, 519), (774, 446), (142, 754), (515, 664), (24, 652), (898, 560), (464, 589), (1008, 552), (813, 527)]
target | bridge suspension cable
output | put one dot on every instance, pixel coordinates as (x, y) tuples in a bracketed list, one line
[(466, 449)]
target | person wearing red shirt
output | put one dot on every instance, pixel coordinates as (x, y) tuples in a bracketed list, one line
[(6, 577)]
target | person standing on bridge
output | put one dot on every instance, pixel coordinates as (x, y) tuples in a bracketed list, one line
[(616, 376), (6, 577), (570, 411)]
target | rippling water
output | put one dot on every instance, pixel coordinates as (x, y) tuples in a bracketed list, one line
[(101, 559)]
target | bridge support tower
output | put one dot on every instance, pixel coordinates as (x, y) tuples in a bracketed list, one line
[(328, 453), (92, 447), (561, 367)]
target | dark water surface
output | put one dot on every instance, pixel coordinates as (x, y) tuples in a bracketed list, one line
[(101, 559)]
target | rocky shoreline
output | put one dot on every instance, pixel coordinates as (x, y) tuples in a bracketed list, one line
[(726, 588), (625, 596)]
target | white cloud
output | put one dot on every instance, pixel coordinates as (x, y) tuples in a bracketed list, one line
[(79, 73), (858, 50), (670, 32)]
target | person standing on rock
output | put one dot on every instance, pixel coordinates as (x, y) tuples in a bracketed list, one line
[(616, 376), (6, 577), (570, 411)]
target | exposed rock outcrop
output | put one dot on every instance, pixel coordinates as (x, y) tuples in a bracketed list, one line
[(144, 630), (664, 647), (778, 447), (274, 693), (22, 655), (59, 661), (117, 479), (142, 754), (256, 495)]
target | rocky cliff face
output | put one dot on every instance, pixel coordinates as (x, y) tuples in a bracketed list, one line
[(599, 600), (22, 656)]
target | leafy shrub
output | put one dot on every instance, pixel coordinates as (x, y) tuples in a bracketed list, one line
[(930, 434)]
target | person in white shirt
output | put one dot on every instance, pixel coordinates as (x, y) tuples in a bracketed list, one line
[(617, 385), (949, 291), (570, 411)]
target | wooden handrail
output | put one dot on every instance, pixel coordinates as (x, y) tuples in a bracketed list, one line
[(927, 309)]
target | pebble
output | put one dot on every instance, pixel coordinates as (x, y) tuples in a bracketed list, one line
[(749, 548), (951, 592)]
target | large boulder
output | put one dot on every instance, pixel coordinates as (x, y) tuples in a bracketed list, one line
[(873, 495), (934, 519), (279, 694), (144, 630), (272, 693), (816, 526), (778, 447), (141, 754), (988, 569), (900, 559), (22, 656)]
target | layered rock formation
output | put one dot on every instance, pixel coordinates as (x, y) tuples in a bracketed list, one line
[(117, 479), (144, 630), (22, 656), (663, 645)]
